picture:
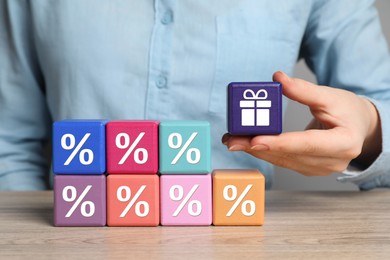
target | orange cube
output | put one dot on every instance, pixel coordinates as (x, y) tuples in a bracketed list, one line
[(238, 197), (133, 200)]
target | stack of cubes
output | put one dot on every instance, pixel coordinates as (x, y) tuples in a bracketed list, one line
[(79, 164), (146, 173), (185, 167)]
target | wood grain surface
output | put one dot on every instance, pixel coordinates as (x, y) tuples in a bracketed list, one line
[(298, 225)]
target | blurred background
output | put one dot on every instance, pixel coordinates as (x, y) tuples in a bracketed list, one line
[(298, 116)]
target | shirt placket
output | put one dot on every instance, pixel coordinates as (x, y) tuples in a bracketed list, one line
[(159, 76)]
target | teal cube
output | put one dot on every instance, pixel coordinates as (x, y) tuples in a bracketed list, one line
[(185, 147)]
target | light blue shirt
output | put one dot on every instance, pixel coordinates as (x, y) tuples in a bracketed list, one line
[(167, 60)]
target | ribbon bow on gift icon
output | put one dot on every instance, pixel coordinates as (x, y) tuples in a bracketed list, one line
[(256, 95)]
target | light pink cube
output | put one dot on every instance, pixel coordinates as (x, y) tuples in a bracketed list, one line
[(185, 200), (132, 147)]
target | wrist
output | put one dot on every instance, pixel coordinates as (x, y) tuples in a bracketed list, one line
[(372, 145)]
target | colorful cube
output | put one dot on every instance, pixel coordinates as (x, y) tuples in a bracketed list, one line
[(132, 147), (185, 147), (186, 200), (238, 197), (254, 108), (133, 200), (79, 200), (79, 147)]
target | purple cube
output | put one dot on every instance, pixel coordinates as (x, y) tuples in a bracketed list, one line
[(79, 200), (254, 108)]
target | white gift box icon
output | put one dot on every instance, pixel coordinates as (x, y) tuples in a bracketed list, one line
[(255, 109)]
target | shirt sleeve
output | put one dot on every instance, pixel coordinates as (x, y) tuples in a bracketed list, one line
[(24, 118), (345, 47)]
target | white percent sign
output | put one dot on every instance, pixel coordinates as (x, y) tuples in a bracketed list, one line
[(78, 201), (179, 197), (132, 201), (130, 148), (233, 190), (72, 143), (192, 152)]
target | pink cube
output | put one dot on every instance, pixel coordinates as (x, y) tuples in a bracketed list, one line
[(185, 200), (132, 147)]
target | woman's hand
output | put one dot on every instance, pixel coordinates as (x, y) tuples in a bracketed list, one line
[(345, 127)]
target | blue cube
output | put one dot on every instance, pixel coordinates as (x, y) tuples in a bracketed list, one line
[(79, 147)]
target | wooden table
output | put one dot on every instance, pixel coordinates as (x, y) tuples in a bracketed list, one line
[(301, 225)]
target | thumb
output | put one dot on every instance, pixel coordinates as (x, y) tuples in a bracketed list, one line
[(302, 91)]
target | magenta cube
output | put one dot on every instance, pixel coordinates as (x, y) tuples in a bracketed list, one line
[(132, 147), (185, 200), (79, 200)]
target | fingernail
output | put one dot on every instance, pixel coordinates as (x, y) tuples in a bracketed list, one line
[(260, 147), (237, 147), (225, 138)]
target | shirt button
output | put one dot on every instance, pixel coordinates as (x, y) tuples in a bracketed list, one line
[(167, 18), (161, 82)]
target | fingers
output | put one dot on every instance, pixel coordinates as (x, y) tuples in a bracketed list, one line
[(330, 143), (302, 91), (322, 143), (306, 165), (237, 143), (309, 165)]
